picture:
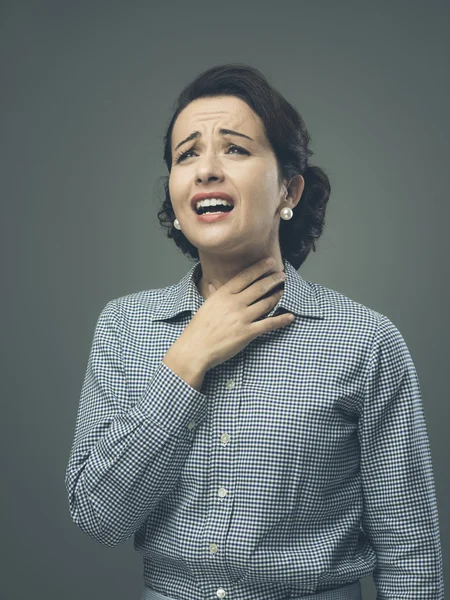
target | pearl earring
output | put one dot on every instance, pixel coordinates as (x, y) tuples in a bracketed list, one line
[(286, 213), (176, 224)]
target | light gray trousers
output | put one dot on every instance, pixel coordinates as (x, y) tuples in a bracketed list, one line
[(347, 592)]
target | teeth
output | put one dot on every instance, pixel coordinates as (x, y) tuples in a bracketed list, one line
[(212, 202)]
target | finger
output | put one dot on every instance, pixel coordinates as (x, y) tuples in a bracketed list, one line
[(263, 288), (265, 325), (263, 306), (246, 277)]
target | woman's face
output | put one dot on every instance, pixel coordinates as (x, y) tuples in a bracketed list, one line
[(246, 169)]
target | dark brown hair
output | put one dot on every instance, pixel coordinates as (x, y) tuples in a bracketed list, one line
[(289, 138)]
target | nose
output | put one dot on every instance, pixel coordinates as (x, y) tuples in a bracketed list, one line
[(202, 178), (208, 168)]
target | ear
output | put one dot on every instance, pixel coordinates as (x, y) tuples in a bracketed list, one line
[(295, 189)]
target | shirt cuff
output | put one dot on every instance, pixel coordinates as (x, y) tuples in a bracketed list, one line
[(171, 403)]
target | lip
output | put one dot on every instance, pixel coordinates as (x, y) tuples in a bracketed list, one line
[(213, 217), (211, 194)]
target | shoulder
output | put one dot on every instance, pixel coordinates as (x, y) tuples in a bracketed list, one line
[(357, 330), (352, 316), (336, 306), (138, 305)]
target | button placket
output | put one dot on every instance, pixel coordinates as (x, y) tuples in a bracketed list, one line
[(230, 384), (224, 439), (224, 475), (222, 492)]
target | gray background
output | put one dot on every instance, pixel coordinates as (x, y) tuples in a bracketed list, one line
[(86, 93)]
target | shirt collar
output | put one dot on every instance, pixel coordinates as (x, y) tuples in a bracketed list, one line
[(298, 296)]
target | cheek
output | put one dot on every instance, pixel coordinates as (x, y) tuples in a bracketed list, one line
[(171, 187), (180, 183), (256, 181), (270, 183), (175, 191), (262, 178)]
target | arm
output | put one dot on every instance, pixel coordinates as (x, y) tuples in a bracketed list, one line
[(400, 512), (125, 458)]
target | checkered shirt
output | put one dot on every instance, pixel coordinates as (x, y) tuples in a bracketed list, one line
[(302, 465)]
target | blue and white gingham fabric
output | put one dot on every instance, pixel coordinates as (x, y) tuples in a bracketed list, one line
[(301, 466), (351, 591)]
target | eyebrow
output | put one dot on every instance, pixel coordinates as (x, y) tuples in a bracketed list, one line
[(196, 134)]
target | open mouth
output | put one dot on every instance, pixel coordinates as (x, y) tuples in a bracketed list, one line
[(219, 208)]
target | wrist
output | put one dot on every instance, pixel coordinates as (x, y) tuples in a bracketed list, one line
[(183, 361)]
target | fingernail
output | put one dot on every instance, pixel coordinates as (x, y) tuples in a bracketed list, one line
[(270, 261)]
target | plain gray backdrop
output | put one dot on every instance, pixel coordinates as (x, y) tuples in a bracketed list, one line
[(87, 90)]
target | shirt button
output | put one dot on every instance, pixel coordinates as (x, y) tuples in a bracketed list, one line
[(213, 548), (221, 593), (230, 384), (191, 424), (224, 438), (222, 492)]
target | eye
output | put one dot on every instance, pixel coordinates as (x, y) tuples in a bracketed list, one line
[(184, 155)]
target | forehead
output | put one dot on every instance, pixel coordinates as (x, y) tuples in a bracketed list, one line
[(211, 113)]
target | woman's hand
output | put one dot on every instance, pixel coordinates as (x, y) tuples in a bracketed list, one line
[(227, 321)]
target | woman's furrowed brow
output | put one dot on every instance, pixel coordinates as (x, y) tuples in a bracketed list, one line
[(197, 134)]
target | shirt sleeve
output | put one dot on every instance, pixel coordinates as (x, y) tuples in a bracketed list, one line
[(400, 512), (126, 456)]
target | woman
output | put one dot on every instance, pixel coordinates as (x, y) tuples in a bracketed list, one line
[(262, 436)]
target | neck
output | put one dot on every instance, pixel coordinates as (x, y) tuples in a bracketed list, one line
[(219, 270)]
